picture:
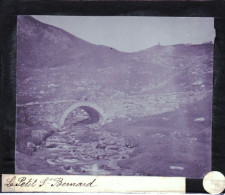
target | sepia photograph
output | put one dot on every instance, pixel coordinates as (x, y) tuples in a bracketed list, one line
[(114, 95)]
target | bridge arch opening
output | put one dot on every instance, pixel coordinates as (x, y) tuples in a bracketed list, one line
[(94, 114)]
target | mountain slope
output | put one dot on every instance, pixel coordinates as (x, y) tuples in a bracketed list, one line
[(52, 64), (38, 42)]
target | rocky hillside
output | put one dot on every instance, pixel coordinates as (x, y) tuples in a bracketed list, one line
[(55, 65)]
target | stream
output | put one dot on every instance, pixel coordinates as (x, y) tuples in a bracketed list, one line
[(83, 150)]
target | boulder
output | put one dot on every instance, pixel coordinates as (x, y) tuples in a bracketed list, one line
[(39, 135), (30, 145), (30, 148), (29, 138)]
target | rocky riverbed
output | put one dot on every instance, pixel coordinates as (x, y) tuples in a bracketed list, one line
[(171, 144), (81, 150)]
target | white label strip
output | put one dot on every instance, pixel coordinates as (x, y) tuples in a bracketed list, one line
[(80, 183)]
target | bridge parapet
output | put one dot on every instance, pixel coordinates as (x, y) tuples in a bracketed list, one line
[(55, 112)]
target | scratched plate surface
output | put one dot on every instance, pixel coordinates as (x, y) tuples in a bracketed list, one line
[(124, 96)]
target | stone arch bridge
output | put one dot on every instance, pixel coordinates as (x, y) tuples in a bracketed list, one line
[(56, 111)]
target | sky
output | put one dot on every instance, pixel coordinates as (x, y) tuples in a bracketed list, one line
[(135, 33)]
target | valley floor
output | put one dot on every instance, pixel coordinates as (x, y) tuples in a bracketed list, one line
[(177, 143)]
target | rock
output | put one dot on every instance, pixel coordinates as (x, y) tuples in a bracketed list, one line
[(39, 134), (30, 148), (36, 141), (105, 167), (42, 92), (70, 160), (198, 82), (51, 162), (101, 146), (66, 167), (111, 147), (158, 135), (192, 138), (55, 125), (71, 142), (201, 119), (30, 145), (50, 145), (63, 133), (177, 168)]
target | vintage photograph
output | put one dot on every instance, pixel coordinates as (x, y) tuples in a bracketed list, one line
[(114, 95)]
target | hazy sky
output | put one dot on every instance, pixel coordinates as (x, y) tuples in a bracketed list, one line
[(129, 33)]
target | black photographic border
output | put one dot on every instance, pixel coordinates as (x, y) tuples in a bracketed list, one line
[(9, 9)]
